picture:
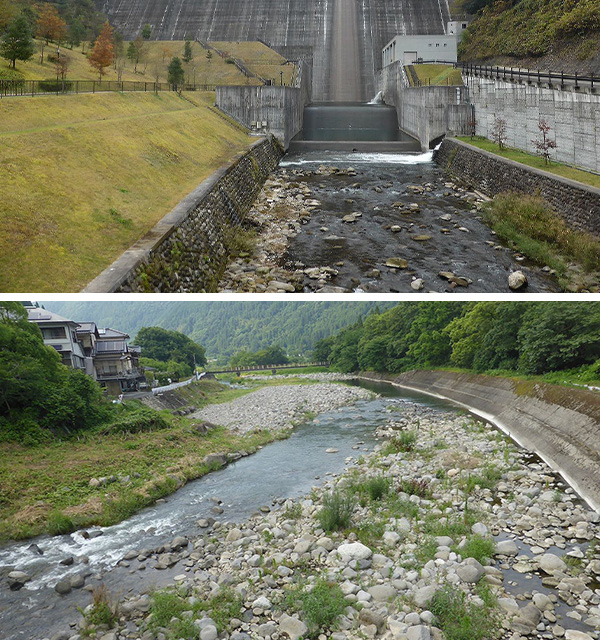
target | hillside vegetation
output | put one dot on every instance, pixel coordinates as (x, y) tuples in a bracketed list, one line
[(530, 29), (85, 176), (225, 328)]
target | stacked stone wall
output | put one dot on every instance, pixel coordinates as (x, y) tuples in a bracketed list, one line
[(187, 251), (578, 204)]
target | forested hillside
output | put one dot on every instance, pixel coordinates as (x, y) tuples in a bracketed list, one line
[(567, 32), (522, 337), (224, 328)]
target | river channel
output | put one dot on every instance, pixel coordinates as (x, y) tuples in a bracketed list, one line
[(284, 469)]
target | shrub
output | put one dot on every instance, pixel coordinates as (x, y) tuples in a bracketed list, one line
[(377, 487), (52, 86), (103, 610), (24, 430), (320, 607), (140, 419), (416, 487), (461, 620), (337, 511)]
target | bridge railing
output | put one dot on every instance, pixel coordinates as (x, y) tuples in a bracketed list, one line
[(267, 367), (510, 74)]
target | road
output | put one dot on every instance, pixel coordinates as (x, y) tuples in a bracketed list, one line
[(345, 70)]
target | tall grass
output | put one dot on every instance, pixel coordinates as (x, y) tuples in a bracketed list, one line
[(336, 512)]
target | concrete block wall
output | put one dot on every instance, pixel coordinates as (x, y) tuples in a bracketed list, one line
[(427, 113), (187, 251), (561, 424), (578, 204), (574, 117)]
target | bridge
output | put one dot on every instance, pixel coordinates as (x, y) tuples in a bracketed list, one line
[(265, 367)]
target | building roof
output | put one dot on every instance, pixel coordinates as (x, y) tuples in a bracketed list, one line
[(43, 316), (112, 334)]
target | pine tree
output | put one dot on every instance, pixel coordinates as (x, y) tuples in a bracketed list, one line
[(188, 56), (176, 72), (103, 53), (17, 42), (146, 32)]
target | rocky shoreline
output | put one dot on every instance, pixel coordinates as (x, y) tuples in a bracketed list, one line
[(452, 486)]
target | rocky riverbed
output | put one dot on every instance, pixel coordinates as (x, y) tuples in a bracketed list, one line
[(451, 490), (279, 407), (377, 227)]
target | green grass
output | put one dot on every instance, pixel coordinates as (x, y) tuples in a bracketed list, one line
[(85, 176), (438, 74), (531, 160), (477, 547), (404, 442), (336, 512), (529, 225), (319, 608)]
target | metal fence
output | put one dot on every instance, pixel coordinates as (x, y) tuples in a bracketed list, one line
[(511, 74), (58, 87)]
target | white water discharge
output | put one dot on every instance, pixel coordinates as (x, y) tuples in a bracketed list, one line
[(378, 99), (350, 158)]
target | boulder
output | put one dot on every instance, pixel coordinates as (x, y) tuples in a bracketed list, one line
[(517, 280), (418, 632), (382, 592), (63, 587), (368, 617), (550, 563), (506, 548), (470, 571), (292, 627), (355, 551), (422, 597)]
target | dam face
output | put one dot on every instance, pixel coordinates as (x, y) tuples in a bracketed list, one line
[(345, 37)]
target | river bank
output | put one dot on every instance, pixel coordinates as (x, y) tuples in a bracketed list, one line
[(101, 480), (449, 521)]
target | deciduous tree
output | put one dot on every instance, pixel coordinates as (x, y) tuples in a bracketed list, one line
[(544, 144), (103, 53), (50, 26), (499, 132)]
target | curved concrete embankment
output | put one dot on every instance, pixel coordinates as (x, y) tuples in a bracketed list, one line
[(561, 424)]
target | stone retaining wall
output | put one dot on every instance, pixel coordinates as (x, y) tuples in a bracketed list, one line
[(561, 424), (188, 249), (578, 204)]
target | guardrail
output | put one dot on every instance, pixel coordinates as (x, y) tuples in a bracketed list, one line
[(61, 87), (511, 74)]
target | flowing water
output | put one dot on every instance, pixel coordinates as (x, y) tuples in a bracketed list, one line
[(284, 469), (445, 234)]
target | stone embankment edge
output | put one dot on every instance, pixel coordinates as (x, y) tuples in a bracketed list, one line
[(577, 203), (518, 422), (125, 268)]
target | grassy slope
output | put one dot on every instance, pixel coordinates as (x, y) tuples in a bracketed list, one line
[(438, 74), (259, 59), (534, 28), (85, 176)]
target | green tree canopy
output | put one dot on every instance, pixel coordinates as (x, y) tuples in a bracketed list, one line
[(161, 344), (175, 71), (271, 355), (17, 42)]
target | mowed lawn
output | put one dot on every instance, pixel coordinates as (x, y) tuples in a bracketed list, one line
[(83, 177)]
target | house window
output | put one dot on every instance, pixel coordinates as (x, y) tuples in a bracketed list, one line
[(464, 25), (54, 333)]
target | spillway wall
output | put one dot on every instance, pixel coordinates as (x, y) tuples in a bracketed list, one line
[(561, 424), (295, 28)]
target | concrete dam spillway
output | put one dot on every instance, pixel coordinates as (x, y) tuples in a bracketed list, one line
[(343, 37)]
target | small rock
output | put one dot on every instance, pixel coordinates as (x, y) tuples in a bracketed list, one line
[(517, 280), (63, 587), (396, 263)]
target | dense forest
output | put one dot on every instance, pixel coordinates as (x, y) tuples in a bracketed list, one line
[(522, 337), (225, 328)]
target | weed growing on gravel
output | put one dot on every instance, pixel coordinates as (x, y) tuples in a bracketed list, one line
[(293, 512), (320, 607), (373, 489), (103, 611), (165, 605), (337, 511), (426, 550), (227, 604), (477, 547), (462, 620), (404, 442), (415, 487), (488, 479)]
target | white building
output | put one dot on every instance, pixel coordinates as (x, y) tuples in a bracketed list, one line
[(410, 49)]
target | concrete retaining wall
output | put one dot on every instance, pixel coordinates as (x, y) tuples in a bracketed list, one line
[(561, 424), (578, 204), (574, 117), (281, 108), (427, 113), (188, 249)]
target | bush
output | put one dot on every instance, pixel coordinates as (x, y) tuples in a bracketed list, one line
[(141, 419), (24, 430), (52, 86), (103, 611), (337, 511)]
